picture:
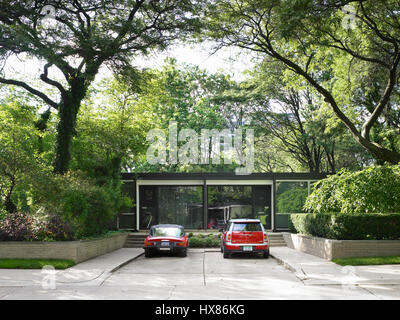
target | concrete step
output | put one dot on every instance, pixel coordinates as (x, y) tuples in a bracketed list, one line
[(135, 240), (277, 244), (133, 246)]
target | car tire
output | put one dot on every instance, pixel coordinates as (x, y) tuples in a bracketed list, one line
[(148, 253), (226, 254), (183, 253), (266, 254)]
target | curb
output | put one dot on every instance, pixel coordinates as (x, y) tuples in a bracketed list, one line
[(125, 263), (283, 263)]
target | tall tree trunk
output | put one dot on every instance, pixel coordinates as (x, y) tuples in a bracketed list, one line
[(67, 115), (8, 203), (65, 131)]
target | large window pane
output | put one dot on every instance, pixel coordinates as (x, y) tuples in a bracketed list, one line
[(181, 205), (126, 218), (171, 204), (228, 202), (238, 201), (290, 198)]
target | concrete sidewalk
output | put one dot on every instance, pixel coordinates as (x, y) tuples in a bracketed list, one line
[(92, 272), (312, 270)]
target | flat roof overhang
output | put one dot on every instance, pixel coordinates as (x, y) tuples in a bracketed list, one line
[(223, 176)]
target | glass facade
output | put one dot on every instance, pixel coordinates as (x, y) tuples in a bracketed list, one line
[(238, 201), (181, 205), (126, 219), (290, 198), (202, 203)]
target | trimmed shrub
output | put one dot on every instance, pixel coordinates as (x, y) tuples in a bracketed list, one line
[(340, 226), (374, 189)]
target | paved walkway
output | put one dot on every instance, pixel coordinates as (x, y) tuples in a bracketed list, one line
[(92, 272), (312, 270)]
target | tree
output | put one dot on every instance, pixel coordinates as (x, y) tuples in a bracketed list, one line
[(311, 40), (85, 35), (19, 157), (111, 131), (191, 97), (290, 119)]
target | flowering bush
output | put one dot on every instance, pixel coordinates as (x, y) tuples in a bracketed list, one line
[(51, 228), (16, 227), (22, 226)]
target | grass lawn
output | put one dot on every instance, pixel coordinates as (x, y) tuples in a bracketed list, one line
[(367, 261), (35, 263)]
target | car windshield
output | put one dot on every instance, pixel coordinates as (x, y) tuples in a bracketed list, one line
[(246, 226), (167, 232)]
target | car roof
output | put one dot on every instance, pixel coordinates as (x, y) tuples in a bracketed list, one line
[(245, 220)]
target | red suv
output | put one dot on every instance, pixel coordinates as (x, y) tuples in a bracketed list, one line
[(244, 236)]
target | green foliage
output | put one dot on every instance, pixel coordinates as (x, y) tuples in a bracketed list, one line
[(374, 189), (203, 241), (367, 261), (292, 200), (89, 208), (342, 226), (352, 70), (59, 264), (23, 226)]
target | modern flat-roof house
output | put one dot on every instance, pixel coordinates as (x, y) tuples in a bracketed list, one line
[(207, 200)]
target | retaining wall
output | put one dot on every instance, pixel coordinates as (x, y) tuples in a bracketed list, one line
[(331, 249), (77, 251)]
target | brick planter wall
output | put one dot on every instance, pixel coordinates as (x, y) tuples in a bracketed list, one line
[(331, 249), (77, 251)]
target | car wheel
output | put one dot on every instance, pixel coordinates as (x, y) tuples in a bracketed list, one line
[(147, 253), (266, 254), (183, 253), (226, 254)]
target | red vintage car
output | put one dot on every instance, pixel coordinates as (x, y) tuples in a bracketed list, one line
[(166, 237), (244, 236)]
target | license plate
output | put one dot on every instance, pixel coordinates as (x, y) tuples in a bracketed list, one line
[(165, 244), (164, 249), (249, 248)]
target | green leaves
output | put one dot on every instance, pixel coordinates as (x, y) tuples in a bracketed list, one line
[(341, 226), (374, 189)]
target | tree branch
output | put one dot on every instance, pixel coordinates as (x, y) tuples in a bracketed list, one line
[(35, 92)]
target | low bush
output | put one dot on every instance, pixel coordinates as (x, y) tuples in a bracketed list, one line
[(341, 226), (203, 241)]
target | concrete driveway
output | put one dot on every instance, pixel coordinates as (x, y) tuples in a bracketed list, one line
[(202, 275), (207, 275)]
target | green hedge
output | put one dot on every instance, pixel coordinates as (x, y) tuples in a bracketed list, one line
[(340, 226), (374, 189)]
